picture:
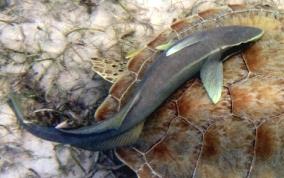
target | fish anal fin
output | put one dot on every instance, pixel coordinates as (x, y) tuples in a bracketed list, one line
[(127, 138), (211, 74)]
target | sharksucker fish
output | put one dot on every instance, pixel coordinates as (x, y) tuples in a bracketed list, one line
[(203, 51)]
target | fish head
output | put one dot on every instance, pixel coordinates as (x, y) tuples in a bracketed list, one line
[(236, 38)]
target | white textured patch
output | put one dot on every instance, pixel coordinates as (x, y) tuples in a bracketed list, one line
[(12, 37)]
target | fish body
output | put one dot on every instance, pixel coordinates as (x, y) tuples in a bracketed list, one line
[(202, 51)]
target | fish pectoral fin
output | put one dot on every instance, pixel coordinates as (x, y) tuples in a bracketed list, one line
[(194, 39), (211, 74)]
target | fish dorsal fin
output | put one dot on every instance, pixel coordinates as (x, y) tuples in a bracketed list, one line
[(193, 39), (211, 74)]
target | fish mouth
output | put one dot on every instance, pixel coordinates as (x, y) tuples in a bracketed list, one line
[(229, 51)]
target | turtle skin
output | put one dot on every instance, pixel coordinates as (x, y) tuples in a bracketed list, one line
[(242, 135)]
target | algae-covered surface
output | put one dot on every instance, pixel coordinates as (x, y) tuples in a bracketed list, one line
[(45, 50)]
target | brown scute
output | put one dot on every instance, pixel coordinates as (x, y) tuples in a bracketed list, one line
[(265, 58), (235, 70), (135, 63), (211, 148), (266, 7), (262, 19), (242, 7), (258, 97), (182, 89), (209, 24), (156, 129), (128, 94), (121, 85), (183, 24), (269, 148), (130, 156), (107, 109), (146, 64), (176, 159), (146, 171), (239, 7), (214, 13), (227, 149), (266, 141), (190, 110), (201, 26), (163, 38)]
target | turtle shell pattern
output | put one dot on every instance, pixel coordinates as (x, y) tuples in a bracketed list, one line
[(188, 136)]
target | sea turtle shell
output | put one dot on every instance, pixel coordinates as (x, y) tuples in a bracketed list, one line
[(188, 136)]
